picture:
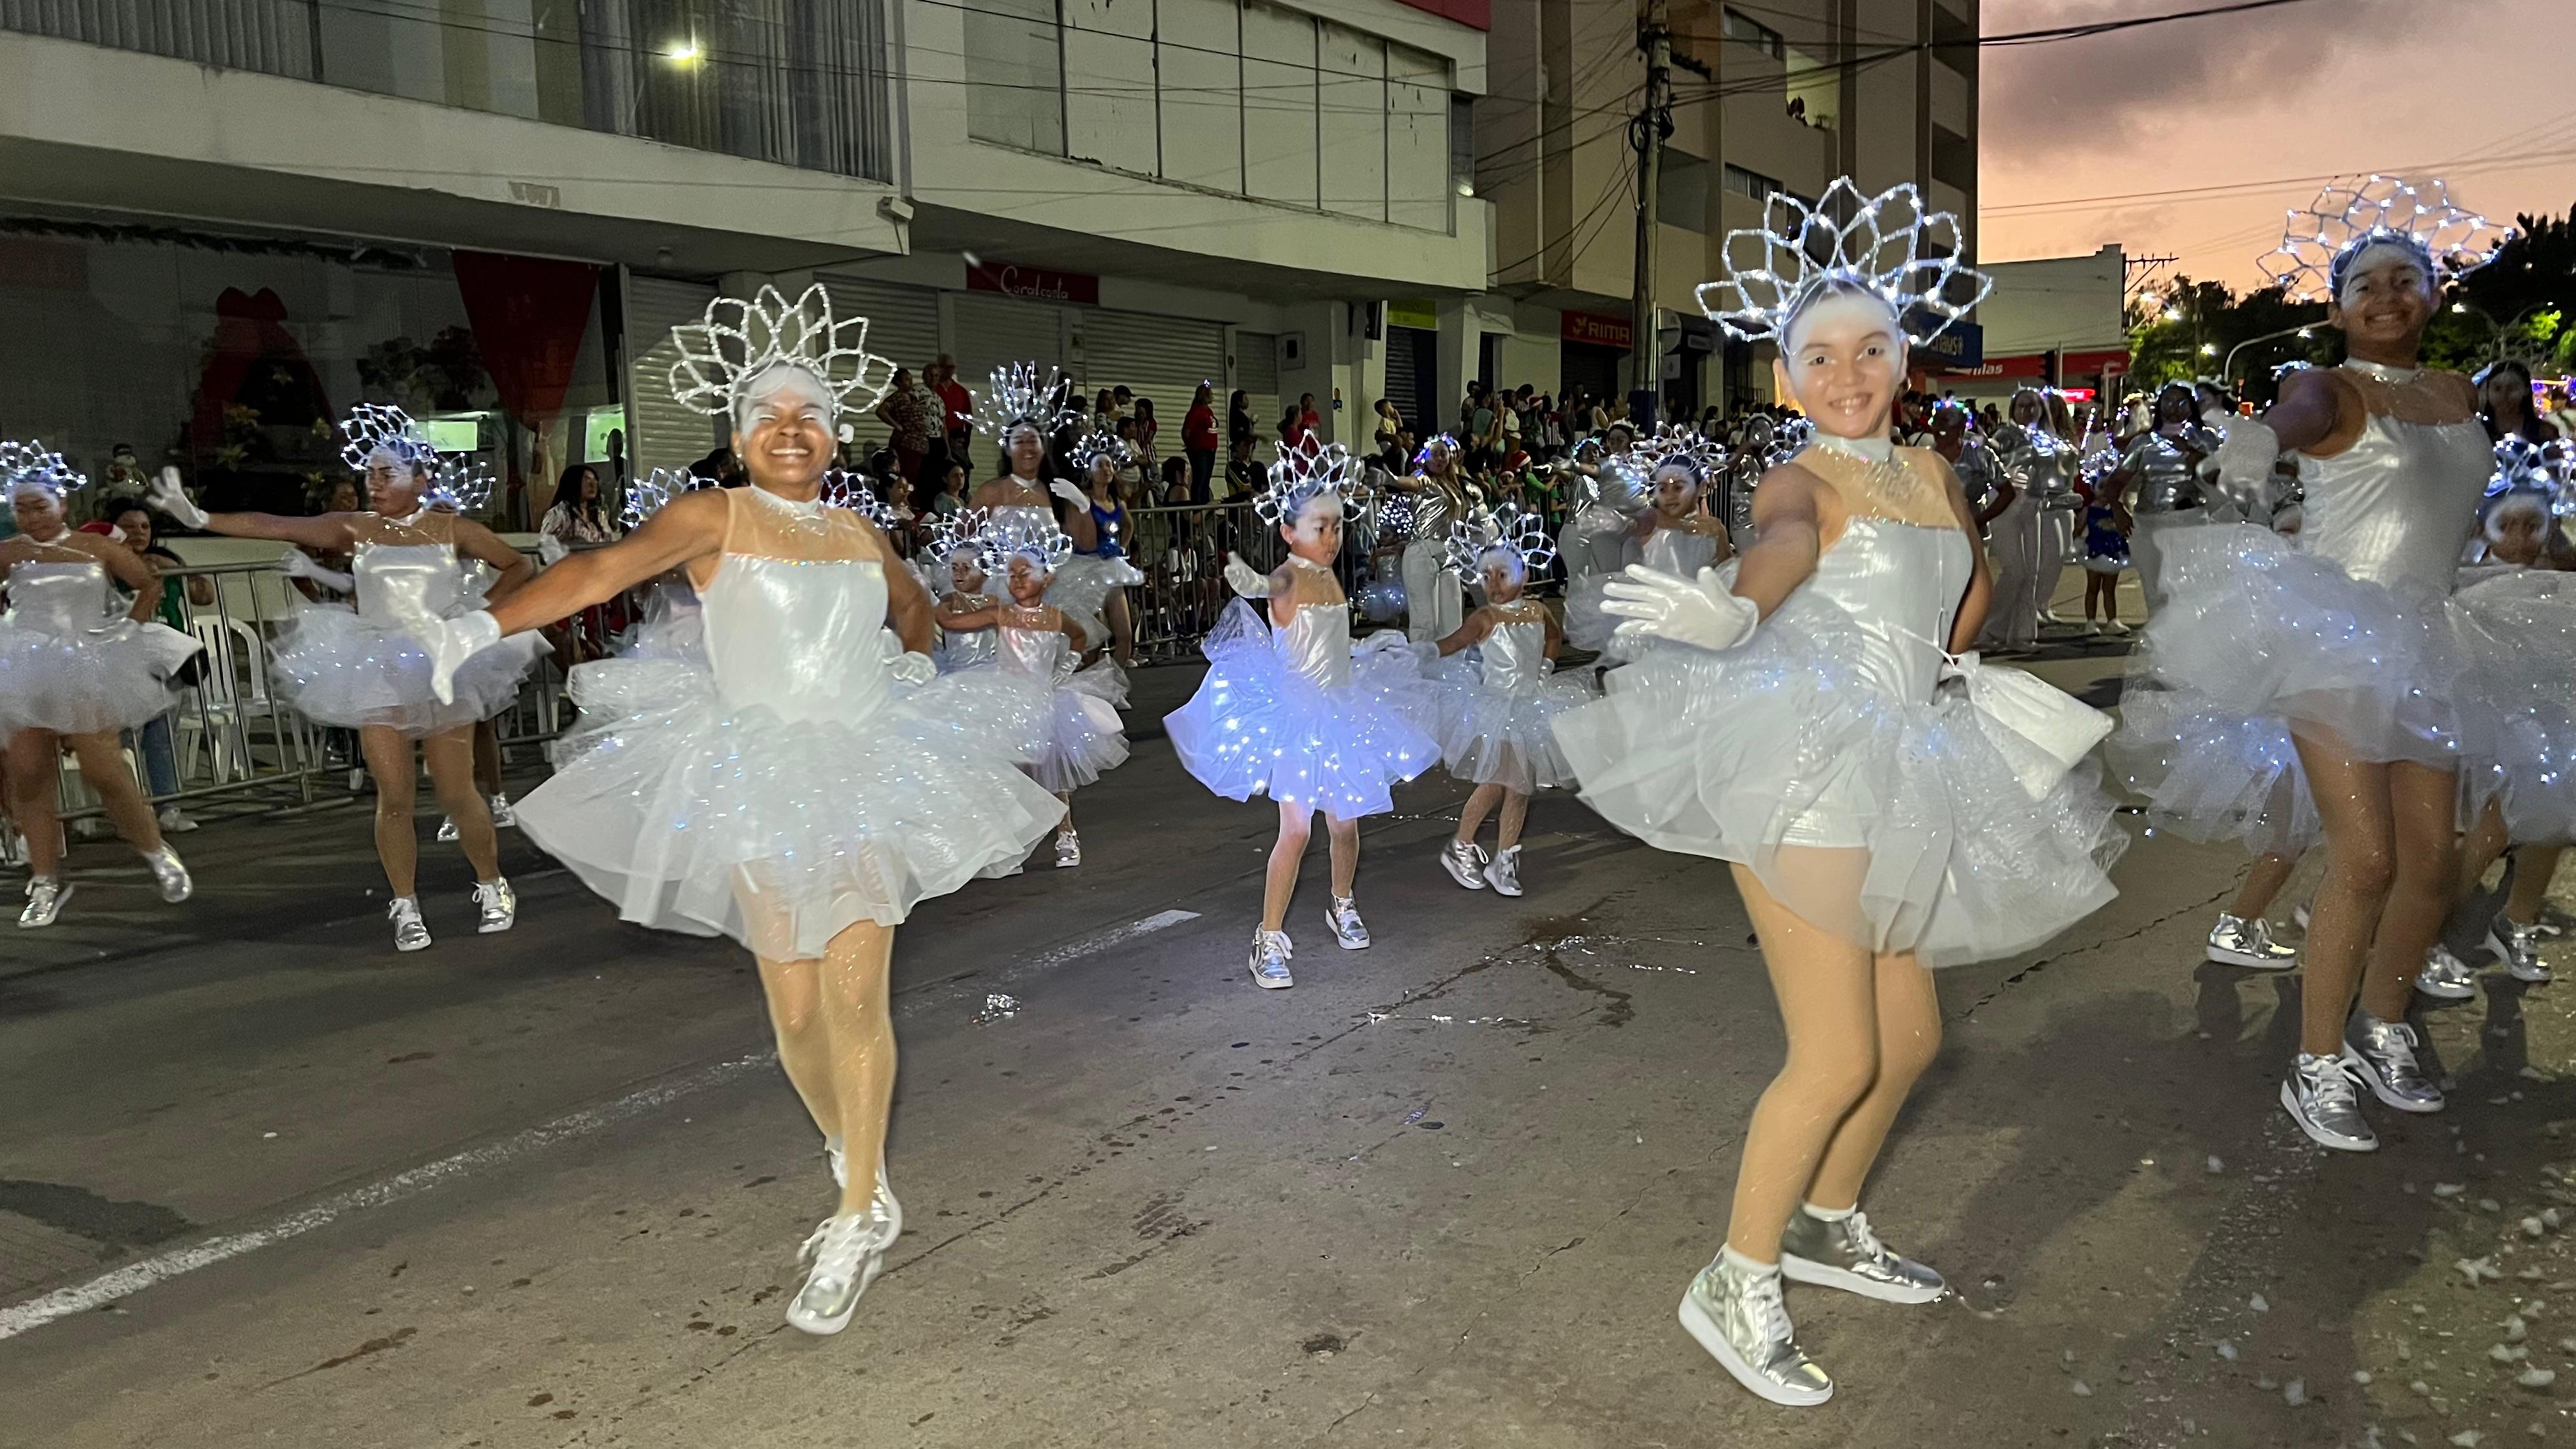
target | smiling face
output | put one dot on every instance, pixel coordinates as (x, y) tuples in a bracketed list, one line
[(782, 431), (1675, 490), (1316, 533), (1027, 451), (38, 511), (2385, 300), (1104, 474), (1843, 360)]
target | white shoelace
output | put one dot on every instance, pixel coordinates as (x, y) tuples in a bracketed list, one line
[(1857, 1225), (1771, 1312), (2333, 1086), (837, 1245)]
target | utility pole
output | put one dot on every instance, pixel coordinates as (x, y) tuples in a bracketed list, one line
[(1647, 133)]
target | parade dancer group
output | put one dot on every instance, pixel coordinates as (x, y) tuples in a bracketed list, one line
[(803, 739)]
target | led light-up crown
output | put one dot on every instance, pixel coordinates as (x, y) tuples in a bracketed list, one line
[(1090, 448), (736, 341), (2546, 470), (1422, 455), (1304, 473), (2349, 216), (372, 428), (1891, 247), (1670, 444), (956, 532), (460, 485), (30, 465), (649, 495), (1523, 535), (845, 489), (1018, 398), (1004, 537)]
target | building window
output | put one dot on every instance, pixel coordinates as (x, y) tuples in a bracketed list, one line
[(1746, 30), (1015, 75), (1750, 183)]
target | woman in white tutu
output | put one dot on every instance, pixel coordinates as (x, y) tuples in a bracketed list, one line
[(1675, 535), (360, 670), (1292, 710), (1797, 726), (771, 785), (2388, 684), (73, 675), (1024, 414), (1438, 495), (1494, 713), (1078, 734)]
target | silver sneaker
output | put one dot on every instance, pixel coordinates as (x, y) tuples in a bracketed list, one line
[(1847, 1255), (2320, 1097), (1505, 873), (2446, 977), (2237, 942), (847, 1251), (447, 831), (1736, 1314), (1068, 849), (503, 817), (1465, 862), (2518, 947), (2382, 1054), (409, 933), (1349, 931), (1270, 953), (170, 874), (45, 897), (499, 905), (174, 821)]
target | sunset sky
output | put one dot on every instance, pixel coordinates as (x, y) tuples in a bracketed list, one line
[(2246, 114)]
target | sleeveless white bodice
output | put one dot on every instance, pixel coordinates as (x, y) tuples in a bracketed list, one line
[(965, 647), (803, 638), (1038, 653), (393, 577), (1514, 656), (1317, 644), (62, 599), (2398, 506), (1902, 583), (1679, 551)]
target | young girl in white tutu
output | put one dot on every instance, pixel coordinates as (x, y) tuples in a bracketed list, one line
[(772, 784), (1800, 725), (1025, 413), (1675, 536), (1078, 734), (956, 548), (1494, 713), (74, 676), (1291, 710), (360, 670)]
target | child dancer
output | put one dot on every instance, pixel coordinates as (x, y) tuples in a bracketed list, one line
[(955, 546), (1876, 823), (1299, 714), (1079, 735), (1495, 714), (1676, 536)]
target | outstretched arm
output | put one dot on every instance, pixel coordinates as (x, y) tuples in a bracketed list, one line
[(1469, 634), (690, 527), (328, 531)]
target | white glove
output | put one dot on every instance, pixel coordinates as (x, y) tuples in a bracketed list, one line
[(1070, 494), (450, 642), (1701, 612), (551, 550), (2242, 463), (1378, 643), (910, 668), (1240, 577), (300, 565), (167, 495)]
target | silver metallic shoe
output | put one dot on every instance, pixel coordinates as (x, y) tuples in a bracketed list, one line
[(1349, 931), (170, 874), (1068, 849), (2518, 947), (1270, 953), (1465, 862), (45, 897), (2237, 942), (2446, 977), (847, 1251), (447, 831), (499, 903), (503, 817), (2321, 1098), (1505, 873), (2382, 1054), (1736, 1314), (1847, 1255), (409, 933)]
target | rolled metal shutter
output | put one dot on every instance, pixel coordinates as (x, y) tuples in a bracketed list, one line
[(992, 331), (903, 328), (1405, 364), (660, 433), (1161, 358), (1256, 372)]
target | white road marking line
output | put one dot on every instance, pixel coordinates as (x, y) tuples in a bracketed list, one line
[(1047, 960), (134, 1277)]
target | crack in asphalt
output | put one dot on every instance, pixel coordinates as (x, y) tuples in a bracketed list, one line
[(2044, 962)]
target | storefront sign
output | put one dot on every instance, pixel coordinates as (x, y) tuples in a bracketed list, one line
[(2035, 364), (1412, 312), (1037, 284), (1596, 330), (1963, 345), (2100, 360)]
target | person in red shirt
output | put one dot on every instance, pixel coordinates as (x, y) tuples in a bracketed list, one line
[(1198, 440), (1308, 420), (957, 403)]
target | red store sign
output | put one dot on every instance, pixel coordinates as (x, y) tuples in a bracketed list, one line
[(1038, 284), (2035, 364), (1596, 329)]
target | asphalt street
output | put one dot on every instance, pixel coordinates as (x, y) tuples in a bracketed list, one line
[(263, 1181)]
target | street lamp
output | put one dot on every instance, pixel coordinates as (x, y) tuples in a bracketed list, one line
[(2226, 369), (685, 52)]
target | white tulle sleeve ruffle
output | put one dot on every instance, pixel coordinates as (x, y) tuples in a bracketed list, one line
[(112, 678), (1503, 737), (1258, 727), (337, 668)]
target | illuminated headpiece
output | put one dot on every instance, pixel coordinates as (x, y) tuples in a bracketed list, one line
[(29, 465), (1669, 445), (959, 532), (460, 485), (1310, 470), (647, 496), (2320, 244), (1524, 536), (1891, 249), (1422, 455), (737, 342), (843, 488), (2544, 471), (372, 428), (1090, 448), (1017, 399), (1004, 537)]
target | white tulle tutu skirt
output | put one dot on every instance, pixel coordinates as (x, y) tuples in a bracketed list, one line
[(1586, 627), (1081, 588), (336, 668), (1896, 824), (112, 679), (1069, 735), (1258, 727), (1497, 737), (2518, 628), (2214, 776), (699, 817)]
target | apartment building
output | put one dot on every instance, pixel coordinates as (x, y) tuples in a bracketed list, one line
[(222, 222)]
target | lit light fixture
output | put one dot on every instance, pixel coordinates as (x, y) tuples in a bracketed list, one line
[(684, 51), (2307, 332), (1467, 188), (2209, 349), (2460, 307), (2173, 314)]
